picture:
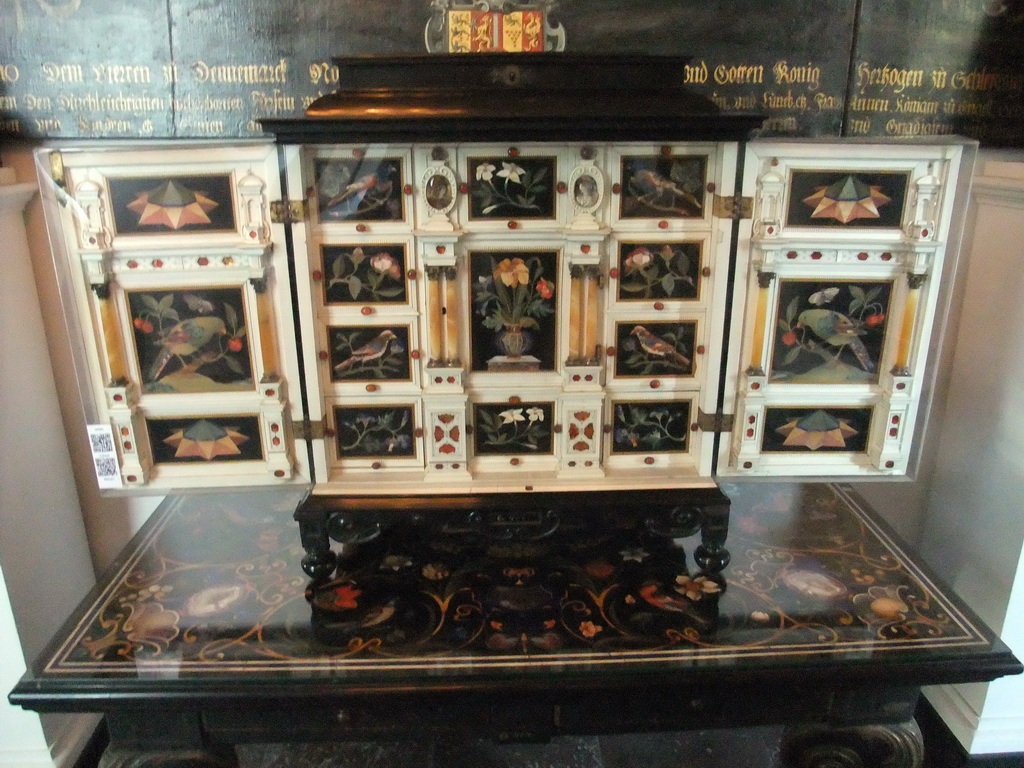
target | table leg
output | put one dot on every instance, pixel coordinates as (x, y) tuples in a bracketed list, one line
[(865, 746), (711, 555), (142, 738), (319, 561)]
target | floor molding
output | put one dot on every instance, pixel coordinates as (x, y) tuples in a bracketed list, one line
[(943, 750)]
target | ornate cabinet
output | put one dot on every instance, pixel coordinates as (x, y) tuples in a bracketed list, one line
[(504, 273)]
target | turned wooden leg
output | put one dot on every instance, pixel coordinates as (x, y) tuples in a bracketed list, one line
[(319, 561), (711, 555), (866, 746)]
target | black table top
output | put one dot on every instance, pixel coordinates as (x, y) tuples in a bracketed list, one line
[(209, 601)]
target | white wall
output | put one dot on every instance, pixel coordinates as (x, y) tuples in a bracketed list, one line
[(974, 527), (45, 566)]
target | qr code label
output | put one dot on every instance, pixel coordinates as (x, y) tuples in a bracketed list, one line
[(104, 455), (106, 466), (102, 442)]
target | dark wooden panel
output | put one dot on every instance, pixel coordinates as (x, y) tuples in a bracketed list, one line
[(190, 68), (931, 68)]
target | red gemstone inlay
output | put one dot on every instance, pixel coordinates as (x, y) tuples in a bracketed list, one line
[(659, 305), (202, 261), (791, 255), (360, 227), (649, 460), (513, 225), (318, 275), (816, 255), (584, 249), (127, 446), (407, 189), (367, 310), (662, 224), (862, 256), (655, 384)]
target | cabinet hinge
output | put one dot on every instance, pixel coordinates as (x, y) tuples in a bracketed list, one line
[(288, 211), (714, 422), (57, 170), (310, 430), (735, 207)]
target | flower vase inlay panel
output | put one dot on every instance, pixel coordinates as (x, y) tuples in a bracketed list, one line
[(514, 310)]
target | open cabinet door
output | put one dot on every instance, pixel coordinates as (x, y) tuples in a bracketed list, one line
[(177, 283), (840, 276)]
